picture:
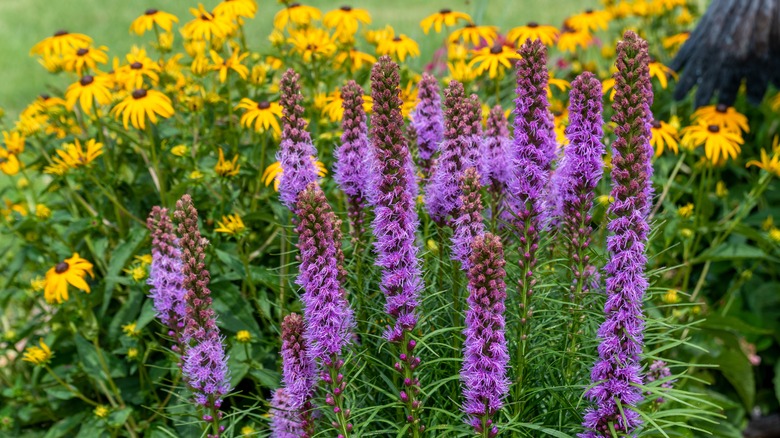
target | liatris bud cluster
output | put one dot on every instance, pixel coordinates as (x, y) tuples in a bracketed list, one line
[(394, 225), (532, 153), (326, 310), (659, 370), (298, 375), (285, 417), (495, 153), (616, 375), (485, 355), (165, 276), (353, 158), (428, 121), (468, 224), (204, 361), (296, 152), (459, 151), (579, 174)]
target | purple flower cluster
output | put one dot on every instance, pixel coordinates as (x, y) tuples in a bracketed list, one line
[(205, 366), (285, 417), (353, 159), (579, 173), (428, 121), (296, 153), (468, 223), (459, 151), (395, 224), (165, 276), (617, 372), (659, 370), (298, 374), (485, 354), (495, 152)]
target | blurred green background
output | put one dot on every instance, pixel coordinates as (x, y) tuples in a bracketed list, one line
[(25, 22)]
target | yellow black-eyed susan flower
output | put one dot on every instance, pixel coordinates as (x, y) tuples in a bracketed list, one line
[(398, 47), (206, 25), (84, 58), (230, 224), (493, 59), (571, 39), (151, 18), (139, 66), (769, 163), (662, 72), (445, 17), (533, 31), (664, 136), (59, 43), (725, 116), (38, 355), (74, 155), (674, 41), (718, 142), (233, 62), (476, 35), (88, 90), (226, 168), (140, 104), (590, 20), (461, 71), (9, 163), (345, 21), (354, 59), (261, 115), (273, 172), (312, 43), (14, 142), (297, 14), (69, 271), (236, 8)]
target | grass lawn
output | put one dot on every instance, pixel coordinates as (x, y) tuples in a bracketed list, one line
[(25, 22)]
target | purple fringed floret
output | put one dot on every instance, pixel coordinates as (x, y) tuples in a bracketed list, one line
[(165, 274), (428, 121), (298, 368), (206, 371), (285, 417), (468, 224), (495, 154), (485, 354), (296, 152), (617, 372)]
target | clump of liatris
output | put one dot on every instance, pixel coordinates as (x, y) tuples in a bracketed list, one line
[(532, 153), (165, 276), (579, 174), (353, 159), (328, 316), (428, 121), (617, 372), (285, 418), (495, 153), (297, 154), (204, 361), (459, 150), (298, 375), (394, 227), (485, 355), (468, 224)]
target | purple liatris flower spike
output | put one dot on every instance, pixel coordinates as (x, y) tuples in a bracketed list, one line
[(326, 310), (205, 368), (297, 154), (485, 355), (495, 152), (616, 374), (428, 121), (353, 157), (579, 174), (165, 276), (285, 418), (468, 224), (395, 224), (298, 371), (459, 151)]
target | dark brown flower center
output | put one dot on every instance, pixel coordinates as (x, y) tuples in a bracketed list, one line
[(656, 124), (61, 267), (397, 39), (445, 11), (588, 11), (264, 105), (721, 108), (205, 18), (532, 24), (82, 52), (44, 96), (86, 80), (496, 49), (470, 25), (151, 11), (60, 33), (293, 5), (346, 8), (713, 129), (136, 65), (139, 93)]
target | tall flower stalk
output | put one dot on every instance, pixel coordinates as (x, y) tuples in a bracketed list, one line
[(617, 373), (299, 376), (394, 226), (495, 152), (485, 353), (326, 310), (353, 159), (532, 154), (468, 224), (428, 121), (204, 363)]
